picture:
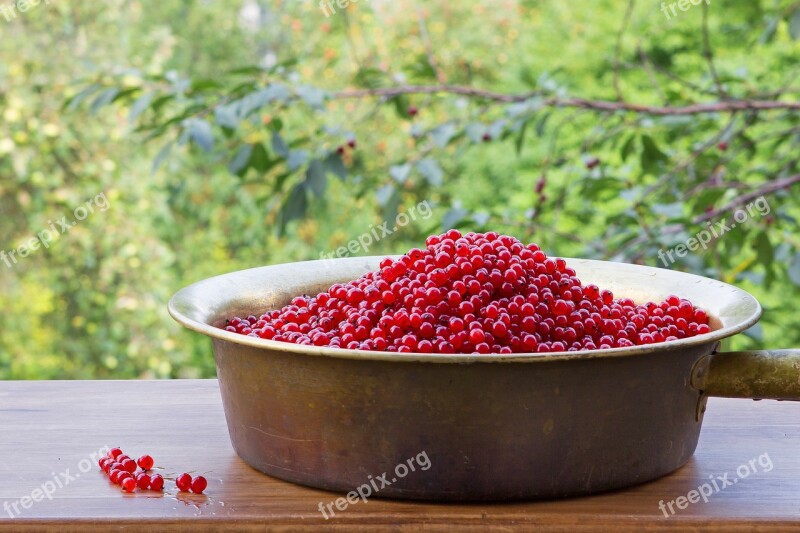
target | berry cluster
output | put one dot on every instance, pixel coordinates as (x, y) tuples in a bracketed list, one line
[(122, 470), (473, 293)]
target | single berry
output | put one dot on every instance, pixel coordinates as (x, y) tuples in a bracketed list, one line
[(184, 482), (129, 485), (199, 484), (412, 111), (486, 137), (351, 143), (143, 481), (129, 465), (114, 453), (156, 482), (145, 462), (592, 162)]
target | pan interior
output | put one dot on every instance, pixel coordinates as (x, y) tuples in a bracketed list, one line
[(205, 305)]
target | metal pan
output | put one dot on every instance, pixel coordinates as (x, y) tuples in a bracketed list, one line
[(493, 427)]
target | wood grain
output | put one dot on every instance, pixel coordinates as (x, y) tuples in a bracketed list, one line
[(49, 427)]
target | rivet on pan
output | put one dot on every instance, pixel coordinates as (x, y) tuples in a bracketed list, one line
[(700, 372), (701, 407)]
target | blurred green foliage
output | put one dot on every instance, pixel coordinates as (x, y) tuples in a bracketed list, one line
[(214, 131)]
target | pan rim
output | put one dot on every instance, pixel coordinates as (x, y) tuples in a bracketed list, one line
[(184, 297)]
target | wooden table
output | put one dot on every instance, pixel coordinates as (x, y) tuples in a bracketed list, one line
[(48, 431)]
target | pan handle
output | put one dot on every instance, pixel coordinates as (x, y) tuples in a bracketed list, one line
[(762, 374)]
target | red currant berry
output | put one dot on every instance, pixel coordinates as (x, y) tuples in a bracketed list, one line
[(183, 482), (199, 484), (145, 462), (156, 482), (129, 485)]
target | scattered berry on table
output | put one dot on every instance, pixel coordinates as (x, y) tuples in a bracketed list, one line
[(199, 484), (145, 462), (129, 485), (184, 482), (156, 482)]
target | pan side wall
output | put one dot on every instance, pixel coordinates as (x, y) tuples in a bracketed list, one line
[(488, 431)]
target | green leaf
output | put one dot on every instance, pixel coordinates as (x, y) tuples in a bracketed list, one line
[(74, 101), (296, 159), (651, 155), (541, 124), (161, 101), (794, 269), (400, 172), (755, 332), (334, 164), (794, 25), (162, 155), (225, 116), (385, 193), (202, 85), (201, 133), (139, 106), (764, 249), (670, 211), (401, 105), (312, 96), (316, 180), (627, 147), (257, 99), (279, 146), (518, 142), (369, 77), (248, 70), (481, 219), (707, 198), (769, 30), (475, 132), (453, 217), (240, 162), (431, 171), (259, 158), (295, 207), (442, 135), (103, 98)]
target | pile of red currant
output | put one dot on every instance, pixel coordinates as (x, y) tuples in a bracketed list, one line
[(122, 470), (473, 293)]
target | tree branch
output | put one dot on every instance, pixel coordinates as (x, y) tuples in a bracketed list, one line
[(769, 188), (603, 106), (709, 55), (618, 51)]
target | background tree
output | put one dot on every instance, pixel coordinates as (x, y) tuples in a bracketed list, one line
[(223, 138)]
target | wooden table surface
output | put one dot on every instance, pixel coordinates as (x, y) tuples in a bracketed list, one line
[(49, 430)]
